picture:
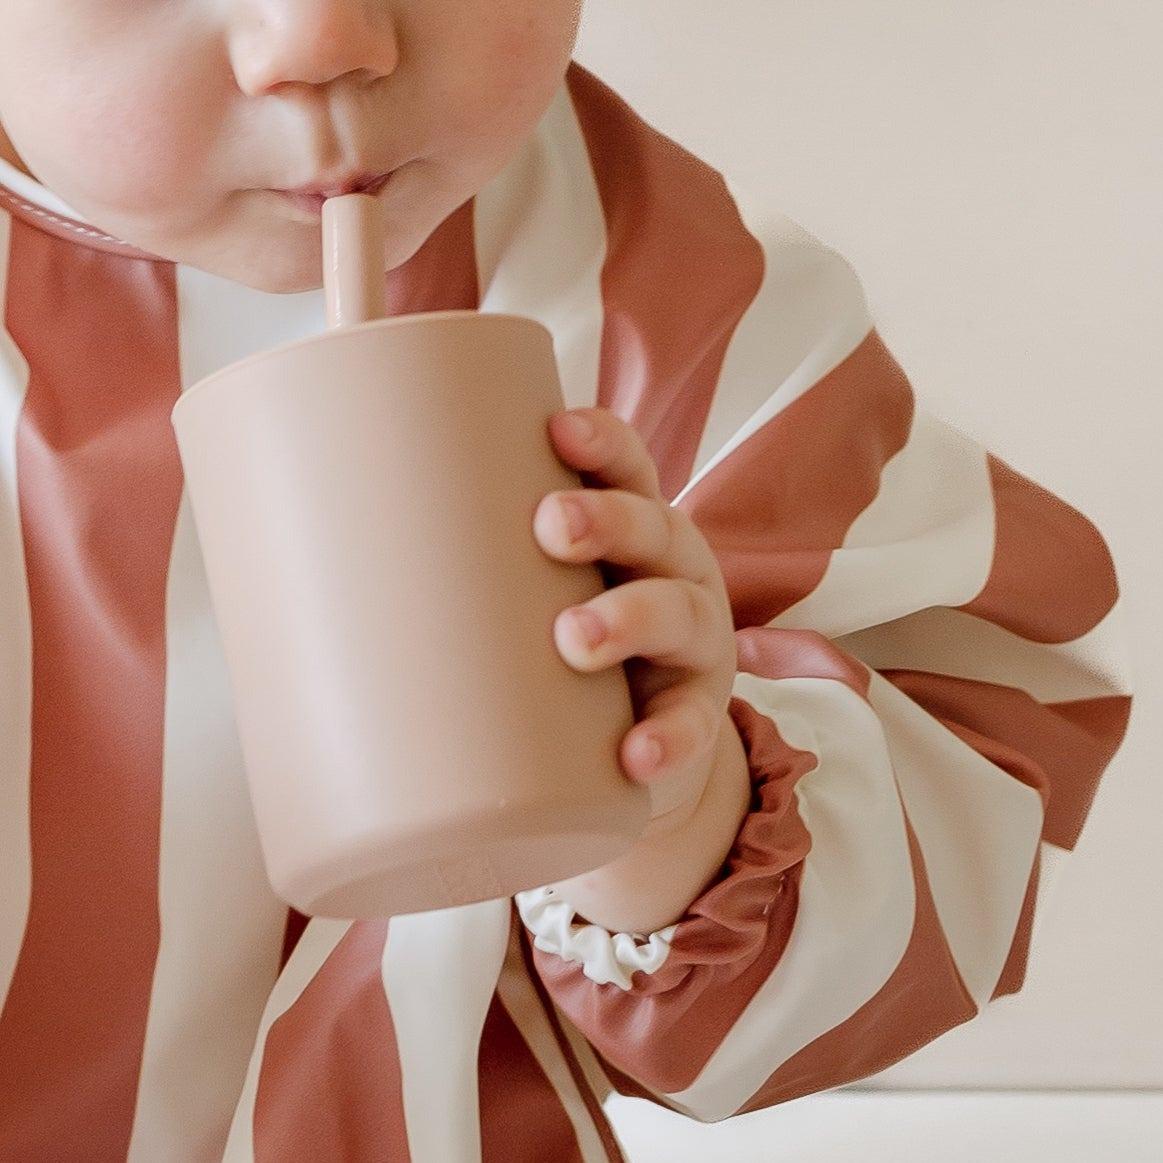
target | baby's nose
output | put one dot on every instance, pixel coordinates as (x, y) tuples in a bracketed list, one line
[(310, 41)]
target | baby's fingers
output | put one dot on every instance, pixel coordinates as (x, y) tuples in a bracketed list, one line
[(671, 747), (670, 621)]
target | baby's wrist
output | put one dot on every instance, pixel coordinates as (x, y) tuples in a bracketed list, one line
[(670, 865)]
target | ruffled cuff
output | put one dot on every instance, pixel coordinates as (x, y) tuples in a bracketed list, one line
[(604, 956), (731, 912)]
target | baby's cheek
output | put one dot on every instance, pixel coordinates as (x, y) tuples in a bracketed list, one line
[(520, 83), (137, 150), (149, 176)]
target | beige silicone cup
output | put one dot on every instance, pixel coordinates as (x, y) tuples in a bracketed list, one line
[(364, 501)]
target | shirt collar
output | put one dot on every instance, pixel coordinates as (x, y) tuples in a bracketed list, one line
[(36, 204), (32, 190)]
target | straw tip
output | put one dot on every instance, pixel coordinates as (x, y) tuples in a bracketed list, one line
[(353, 259), (345, 207)]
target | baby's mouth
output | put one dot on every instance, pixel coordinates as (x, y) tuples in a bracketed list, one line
[(311, 198)]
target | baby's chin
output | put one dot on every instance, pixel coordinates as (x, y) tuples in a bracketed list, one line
[(272, 265), (281, 258), (250, 240), (271, 255)]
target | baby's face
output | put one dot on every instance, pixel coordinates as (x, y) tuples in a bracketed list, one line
[(171, 123)]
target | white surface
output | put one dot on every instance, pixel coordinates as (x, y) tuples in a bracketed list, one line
[(993, 172), (918, 1127)]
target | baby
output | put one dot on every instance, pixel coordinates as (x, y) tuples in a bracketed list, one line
[(868, 708)]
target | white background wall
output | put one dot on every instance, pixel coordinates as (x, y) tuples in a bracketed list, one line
[(994, 171)]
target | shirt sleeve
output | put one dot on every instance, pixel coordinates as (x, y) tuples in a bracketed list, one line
[(930, 684)]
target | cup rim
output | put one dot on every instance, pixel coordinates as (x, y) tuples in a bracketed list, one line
[(389, 321)]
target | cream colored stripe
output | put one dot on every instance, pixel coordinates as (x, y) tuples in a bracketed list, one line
[(926, 539), (857, 895), (809, 315), (978, 829), (440, 973), (223, 321), (221, 924), (523, 1004), (1049, 879), (15, 654), (541, 244), (953, 642), (316, 944)]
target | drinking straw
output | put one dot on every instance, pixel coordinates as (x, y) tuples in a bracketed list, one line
[(353, 260)]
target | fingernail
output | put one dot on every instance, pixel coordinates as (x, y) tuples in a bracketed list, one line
[(576, 519), (579, 427), (649, 752), (592, 628)]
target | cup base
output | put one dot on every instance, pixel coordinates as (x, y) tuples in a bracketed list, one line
[(484, 861)]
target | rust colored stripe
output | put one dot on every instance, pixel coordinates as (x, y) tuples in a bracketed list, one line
[(776, 652), (1013, 974), (681, 270), (292, 931), (522, 1119), (1062, 749), (776, 506), (99, 483), (924, 997), (330, 1084), (1052, 577), (442, 274)]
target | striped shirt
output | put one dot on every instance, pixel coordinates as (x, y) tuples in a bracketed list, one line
[(931, 682)]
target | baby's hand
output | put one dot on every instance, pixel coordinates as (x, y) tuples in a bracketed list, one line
[(670, 621)]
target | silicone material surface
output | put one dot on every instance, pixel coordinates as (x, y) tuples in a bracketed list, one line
[(364, 501)]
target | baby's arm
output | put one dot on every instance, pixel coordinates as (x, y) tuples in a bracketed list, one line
[(925, 708), (674, 860)]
